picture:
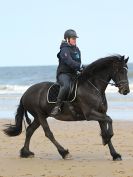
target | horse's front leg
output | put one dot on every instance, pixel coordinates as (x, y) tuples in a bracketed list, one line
[(105, 124), (105, 120), (105, 132), (114, 154), (106, 129), (109, 126)]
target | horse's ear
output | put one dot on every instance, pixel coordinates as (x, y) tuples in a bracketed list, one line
[(126, 60), (123, 57)]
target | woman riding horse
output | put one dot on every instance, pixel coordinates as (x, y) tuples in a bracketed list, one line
[(69, 63)]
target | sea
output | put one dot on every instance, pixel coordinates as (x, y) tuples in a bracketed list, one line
[(14, 81)]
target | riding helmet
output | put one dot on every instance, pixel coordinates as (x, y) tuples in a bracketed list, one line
[(70, 34)]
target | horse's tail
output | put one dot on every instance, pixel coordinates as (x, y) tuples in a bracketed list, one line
[(15, 130)]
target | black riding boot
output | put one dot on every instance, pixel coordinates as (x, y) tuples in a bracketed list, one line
[(57, 109), (64, 81)]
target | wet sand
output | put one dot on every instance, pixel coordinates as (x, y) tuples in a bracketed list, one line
[(89, 157)]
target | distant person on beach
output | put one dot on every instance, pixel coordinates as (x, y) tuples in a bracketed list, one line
[(69, 65)]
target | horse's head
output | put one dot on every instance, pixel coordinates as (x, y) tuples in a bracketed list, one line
[(119, 75), (104, 69)]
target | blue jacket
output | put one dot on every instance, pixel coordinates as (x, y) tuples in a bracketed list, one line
[(69, 59)]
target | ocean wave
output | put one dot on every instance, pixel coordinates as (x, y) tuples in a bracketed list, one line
[(20, 89), (12, 89), (112, 89)]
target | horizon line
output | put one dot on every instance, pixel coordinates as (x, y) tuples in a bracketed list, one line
[(36, 65)]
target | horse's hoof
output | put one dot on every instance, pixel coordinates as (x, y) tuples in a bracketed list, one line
[(26, 153), (68, 156), (117, 157), (64, 153)]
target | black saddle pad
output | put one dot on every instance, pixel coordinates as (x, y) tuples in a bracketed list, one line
[(53, 92)]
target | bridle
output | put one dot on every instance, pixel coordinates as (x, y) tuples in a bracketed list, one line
[(119, 83)]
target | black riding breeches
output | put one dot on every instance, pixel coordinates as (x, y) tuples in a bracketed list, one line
[(64, 80)]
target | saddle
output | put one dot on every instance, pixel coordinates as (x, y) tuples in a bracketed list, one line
[(53, 92)]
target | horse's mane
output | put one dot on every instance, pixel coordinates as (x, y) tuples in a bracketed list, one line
[(99, 64)]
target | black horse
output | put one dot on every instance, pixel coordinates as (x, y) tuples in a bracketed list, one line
[(90, 104)]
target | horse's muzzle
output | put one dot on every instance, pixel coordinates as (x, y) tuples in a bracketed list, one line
[(124, 89)]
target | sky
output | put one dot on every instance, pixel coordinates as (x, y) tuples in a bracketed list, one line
[(31, 30)]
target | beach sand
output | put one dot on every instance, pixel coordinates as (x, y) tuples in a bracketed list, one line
[(89, 157)]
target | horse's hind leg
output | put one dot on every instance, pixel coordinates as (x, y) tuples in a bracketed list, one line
[(25, 152), (64, 153)]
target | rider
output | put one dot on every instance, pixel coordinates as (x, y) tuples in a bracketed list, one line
[(69, 65)]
